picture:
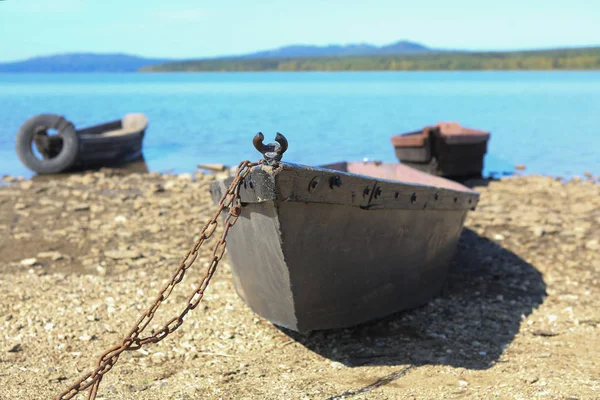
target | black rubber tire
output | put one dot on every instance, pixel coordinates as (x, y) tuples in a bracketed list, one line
[(68, 154)]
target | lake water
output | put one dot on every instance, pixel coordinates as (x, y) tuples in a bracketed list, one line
[(549, 121)]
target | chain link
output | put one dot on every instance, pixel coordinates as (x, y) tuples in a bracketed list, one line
[(133, 340)]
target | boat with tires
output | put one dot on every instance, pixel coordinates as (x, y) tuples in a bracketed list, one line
[(445, 149), (49, 143), (334, 246)]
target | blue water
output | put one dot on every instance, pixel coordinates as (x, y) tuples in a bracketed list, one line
[(549, 121)]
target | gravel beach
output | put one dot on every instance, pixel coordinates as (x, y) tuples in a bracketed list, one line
[(80, 257)]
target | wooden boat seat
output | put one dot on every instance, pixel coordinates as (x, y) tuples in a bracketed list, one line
[(394, 172), (135, 121), (455, 133)]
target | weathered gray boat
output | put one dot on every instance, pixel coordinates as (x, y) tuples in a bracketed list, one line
[(49, 143), (331, 247)]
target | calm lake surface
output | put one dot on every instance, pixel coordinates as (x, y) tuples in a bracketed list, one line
[(549, 121)]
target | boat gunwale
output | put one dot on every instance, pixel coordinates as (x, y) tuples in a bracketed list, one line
[(96, 127), (115, 128), (451, 133), (288, 183)]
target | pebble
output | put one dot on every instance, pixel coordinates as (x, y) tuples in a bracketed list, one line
[(124, 254), (80, 207), (56, 377), (544, 332), (157, 188), (53, 255), (185, 177), (538, 231), (170, 185), (213, 167), (97, 208), (16, 348), (222, 175), (159, 358), (28, 262), (337, 365)]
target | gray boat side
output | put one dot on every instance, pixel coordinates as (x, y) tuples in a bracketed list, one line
[(343, 250)]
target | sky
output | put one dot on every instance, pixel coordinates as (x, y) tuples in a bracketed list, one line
[(210, 28)]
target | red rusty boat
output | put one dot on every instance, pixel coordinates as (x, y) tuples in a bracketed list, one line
[(445, 149)]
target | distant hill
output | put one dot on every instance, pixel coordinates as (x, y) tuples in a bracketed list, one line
[(559, 59), (82, 62), (398, 56), (92, 62), (363, 49)]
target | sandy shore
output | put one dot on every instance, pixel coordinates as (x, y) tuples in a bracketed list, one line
[(80, 257)]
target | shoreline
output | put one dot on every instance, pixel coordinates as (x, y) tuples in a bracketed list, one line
[(6, 179)]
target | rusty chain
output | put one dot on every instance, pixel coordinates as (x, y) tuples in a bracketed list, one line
[(134, 340)]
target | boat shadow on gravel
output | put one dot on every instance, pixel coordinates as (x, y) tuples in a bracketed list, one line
[(488, 291)]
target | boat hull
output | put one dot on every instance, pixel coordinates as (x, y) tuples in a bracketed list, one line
[(112, 143), (98, 150), (302, 272), (328, 263), (457, 152)]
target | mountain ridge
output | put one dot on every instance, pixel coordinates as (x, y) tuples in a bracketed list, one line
[(122, 62), (332, 50), (399, 55), (82, 62)]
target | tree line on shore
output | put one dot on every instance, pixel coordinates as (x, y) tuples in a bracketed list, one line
[(562, 59)]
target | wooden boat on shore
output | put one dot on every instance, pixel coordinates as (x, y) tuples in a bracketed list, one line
[(49, 143), (330, 247), (445, 149)]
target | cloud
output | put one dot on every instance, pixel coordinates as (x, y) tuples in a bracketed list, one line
[(182, 15)]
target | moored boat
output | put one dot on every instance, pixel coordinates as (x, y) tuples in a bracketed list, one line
[(330, 247), (445, 149), (49, 143)]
